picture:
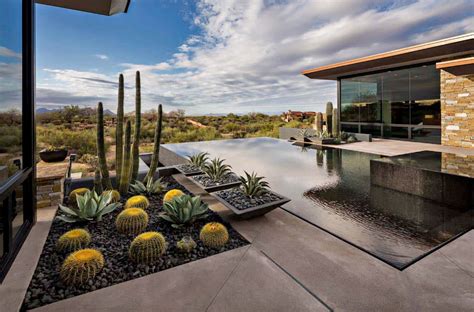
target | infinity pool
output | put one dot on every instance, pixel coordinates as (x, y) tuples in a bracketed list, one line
[(331, 188)]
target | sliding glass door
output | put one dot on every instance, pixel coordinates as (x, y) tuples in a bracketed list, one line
[(17, 204)]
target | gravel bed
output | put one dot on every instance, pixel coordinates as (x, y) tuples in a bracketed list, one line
[(236, 197), (46, 286), (189, 169), (207, 182)]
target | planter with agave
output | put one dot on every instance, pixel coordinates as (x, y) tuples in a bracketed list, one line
[(217, 176), (194, 165), (253, 198)]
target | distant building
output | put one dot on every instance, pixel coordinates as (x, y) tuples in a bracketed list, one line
[(297, 115)]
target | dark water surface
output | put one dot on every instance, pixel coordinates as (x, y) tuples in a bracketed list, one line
[(331, 188)]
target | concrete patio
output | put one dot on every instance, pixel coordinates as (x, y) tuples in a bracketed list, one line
[(290, 266)]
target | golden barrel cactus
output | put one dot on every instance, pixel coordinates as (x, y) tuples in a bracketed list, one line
[(73, 240), (77, 192), (114, 195), (81, 265), (137, 201), (214, 235), (172, 194), (147, 247), (132, 221)]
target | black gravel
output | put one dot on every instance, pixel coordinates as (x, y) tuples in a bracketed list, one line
[(206, 181), (189, 169), (237, 198), (46, 286)]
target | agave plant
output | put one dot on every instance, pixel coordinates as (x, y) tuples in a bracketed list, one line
[(216, 169), (90, 207), (184, 210), (305, 134), (253, 185), (150, 188), (199, 160)]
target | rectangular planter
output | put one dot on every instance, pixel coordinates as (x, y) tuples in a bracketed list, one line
[(254, 211), (188, 173), (215, 188)]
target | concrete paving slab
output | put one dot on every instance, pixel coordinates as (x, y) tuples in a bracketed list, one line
[(257, 284), (461, 252), (189, 287)]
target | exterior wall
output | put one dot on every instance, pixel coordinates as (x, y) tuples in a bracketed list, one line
[(457, 110), (49, 192)]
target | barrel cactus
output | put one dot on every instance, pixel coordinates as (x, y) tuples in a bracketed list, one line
[(155, 159), (214, 235), (329, 117), (77, 192), (114, 195), (136, 133), (335, 123), (81, 265), (73, 240), (126, 163), (147, 247), (119, 130), (132, 221), (137, 201), (172, 194), (186, 244), (104, 171)]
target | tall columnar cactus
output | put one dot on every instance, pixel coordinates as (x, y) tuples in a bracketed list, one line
[(335, 123), (104, 171), (319, 122), (329, 117), (97, 181), (156, 150), (136, 134), (126, 163), (119, 130)]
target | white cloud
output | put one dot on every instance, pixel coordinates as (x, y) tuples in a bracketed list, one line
[(249, 53), (102, 56), (5, 52)]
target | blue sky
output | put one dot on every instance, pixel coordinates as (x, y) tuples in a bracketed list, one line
[(214, 56)]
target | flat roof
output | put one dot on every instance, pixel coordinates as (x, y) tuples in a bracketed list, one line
[(103, 7), (434, 51)]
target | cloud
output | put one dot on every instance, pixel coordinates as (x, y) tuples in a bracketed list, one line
[(248, 54), (102, 56), (5, 52)]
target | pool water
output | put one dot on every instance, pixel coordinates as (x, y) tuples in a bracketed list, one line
[(331, 188)]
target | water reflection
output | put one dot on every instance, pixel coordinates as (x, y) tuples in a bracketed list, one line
[(331, 188)]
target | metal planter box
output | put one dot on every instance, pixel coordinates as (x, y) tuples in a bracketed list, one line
[(253, 211), (188, 173), (214, 188)]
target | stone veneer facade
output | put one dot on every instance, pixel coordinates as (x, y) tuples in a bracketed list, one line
[(457, 110)]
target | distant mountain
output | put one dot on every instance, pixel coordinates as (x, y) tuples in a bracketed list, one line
[(108, 112), (86, 110), (43, 110)]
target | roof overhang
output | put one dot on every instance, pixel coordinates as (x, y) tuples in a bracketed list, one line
[(458, 67), (449, 48), (103, 7)]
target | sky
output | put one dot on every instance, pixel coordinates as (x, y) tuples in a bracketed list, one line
[(221, 56)]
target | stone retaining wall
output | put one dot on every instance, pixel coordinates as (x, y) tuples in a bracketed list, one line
[(49, 192), (457, 110)]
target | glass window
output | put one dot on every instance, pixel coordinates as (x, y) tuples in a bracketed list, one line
[(426, 135), (350, 128), (395, 132), (375, 130), (349, 100), (10, 87), (396, 94), (424, 96), (370, 98)]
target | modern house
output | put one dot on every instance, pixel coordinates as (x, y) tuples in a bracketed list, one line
[(17, 67), (422, 93)]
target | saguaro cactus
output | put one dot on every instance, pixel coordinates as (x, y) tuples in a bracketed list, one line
[(126, 164), (335, 123), (97, 182), (119, 130), (104, 171), (329, 117), (136, 134), (155, 159), (318, 120)]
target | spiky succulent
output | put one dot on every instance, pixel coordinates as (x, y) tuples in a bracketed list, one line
[(132, 221), (216, 169), (73, 240), (172, 194), (137, 201), (80, 266), (199, 160), (148, 189), (115, 195), (147, 247), (214, 235), (183, 210), (90, 207), (186, 244), (305, 133), (253, 185)]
